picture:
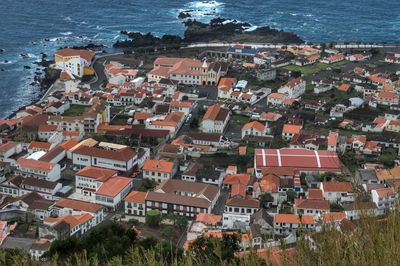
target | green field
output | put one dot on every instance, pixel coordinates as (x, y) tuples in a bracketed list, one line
[(309, 70), (240, 119), (75, 110)]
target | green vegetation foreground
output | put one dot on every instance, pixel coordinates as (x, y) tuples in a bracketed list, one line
[(370, 242)]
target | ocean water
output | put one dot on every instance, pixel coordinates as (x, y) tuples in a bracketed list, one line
[(34, 26)]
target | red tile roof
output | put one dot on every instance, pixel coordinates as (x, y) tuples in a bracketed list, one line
[(136, 196), (268, 182), (124, 154), (238, 189), (158, 166), (237, 179), (184, 104), (97, 173), (292, 129), (332, 138), (315, 204), (216, 112), (297, 158), (39, 145), (68, 145), (385, 192), (315, 193), (337, 187), (344, 87), (254, 124), (293, 82), (67, 52), (114, 186), (47, 128), (78, 205), (247, 202), (208, 218), (33, 164), (226, 82), (331, 217), (293, 219), (71, 220), (7, 146)]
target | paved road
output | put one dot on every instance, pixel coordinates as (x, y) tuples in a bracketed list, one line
[(274, 45), (99, 69), (220, 205)]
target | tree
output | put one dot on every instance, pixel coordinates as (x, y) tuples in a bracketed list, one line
[(147, 184), (388, 157), (230, 245), (349, 159), (185, 98), (167, 232), (181, 222), (335, 207), (16, 256), (265, 199), (153, 218), (194, 123), (295, 74), (106, 240), (291, 195)]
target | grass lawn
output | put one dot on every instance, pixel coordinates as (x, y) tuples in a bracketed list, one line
[(309, 70), (250, 151), (240, 119), (119, 120), (75, 110)]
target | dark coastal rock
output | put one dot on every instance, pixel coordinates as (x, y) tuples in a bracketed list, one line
[(217, 30), (90, 46), (24, 55), (6, 61), (137, 39), (184, 15), (220, 29), (2, 51), (27, 67)]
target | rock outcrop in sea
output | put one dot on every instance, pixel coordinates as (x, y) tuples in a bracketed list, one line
[(217, 30)]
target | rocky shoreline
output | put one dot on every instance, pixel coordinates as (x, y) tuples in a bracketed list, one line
[(44, 77), (217, 30)]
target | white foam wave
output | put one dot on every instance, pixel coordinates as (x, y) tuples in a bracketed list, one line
[(66, 33), (203, 9), (252, 28)]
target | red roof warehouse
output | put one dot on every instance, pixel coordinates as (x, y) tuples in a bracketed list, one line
[(300, 159)]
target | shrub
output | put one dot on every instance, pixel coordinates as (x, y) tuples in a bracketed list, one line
[(153, 218), (167, 232)]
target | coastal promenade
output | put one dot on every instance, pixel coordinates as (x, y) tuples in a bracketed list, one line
[(274, 45)]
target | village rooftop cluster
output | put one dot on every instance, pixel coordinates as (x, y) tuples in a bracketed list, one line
[(267, 143)]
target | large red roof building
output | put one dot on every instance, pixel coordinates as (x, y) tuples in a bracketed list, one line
[(299, 159)]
